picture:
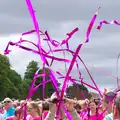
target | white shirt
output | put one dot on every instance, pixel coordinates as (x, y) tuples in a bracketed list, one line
[(109, 117)]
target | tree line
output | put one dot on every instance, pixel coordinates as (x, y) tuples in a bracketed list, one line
[(14, 86)]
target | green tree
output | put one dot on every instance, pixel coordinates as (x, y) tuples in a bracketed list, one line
[(13, 92), (24, 86), (10, 80), (4, 80), (29, 74), (15, 78), (16, 81), (49, 89), (28, 77), (30, 71)]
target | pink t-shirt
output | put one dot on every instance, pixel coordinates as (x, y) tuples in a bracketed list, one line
[(37, 118), (45, 114), (83, 114), (9, 118), (93, 117), (28, 117)]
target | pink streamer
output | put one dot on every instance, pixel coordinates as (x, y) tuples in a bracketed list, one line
[(107, 23), (43, 54), (91, 26), (32, 13)]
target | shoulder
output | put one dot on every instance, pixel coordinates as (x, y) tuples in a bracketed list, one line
[(108, 117), (9, 118), (13, 108), (4, 114)]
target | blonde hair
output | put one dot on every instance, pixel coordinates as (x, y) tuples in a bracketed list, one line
[(22, 102), (35, 106)]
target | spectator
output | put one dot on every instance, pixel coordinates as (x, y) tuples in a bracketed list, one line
[(53, 108), (107, 101), (84, 108), (19, 114), (93, 112), (116, 108), (34, 111), (9, 108)]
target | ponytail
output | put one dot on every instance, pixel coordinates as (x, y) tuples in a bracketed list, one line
[(97, 113), (88, 113)]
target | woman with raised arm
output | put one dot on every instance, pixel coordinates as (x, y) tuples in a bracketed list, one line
[(62, 116)]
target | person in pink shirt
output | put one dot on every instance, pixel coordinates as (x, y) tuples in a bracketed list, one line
[(34, 111), (84, 107), (116, 108), (19, 114), (93, 113), (45, 109), (44, 114)]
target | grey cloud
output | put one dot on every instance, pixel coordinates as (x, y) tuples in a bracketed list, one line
[(107, 47), (58, 9), (100, 78), (17, 19), (60, 17)]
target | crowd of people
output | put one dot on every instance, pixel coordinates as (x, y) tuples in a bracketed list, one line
[(106, 108)]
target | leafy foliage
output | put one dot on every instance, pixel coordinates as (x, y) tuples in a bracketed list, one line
[(12, 85)]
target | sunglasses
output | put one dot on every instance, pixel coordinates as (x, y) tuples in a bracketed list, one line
[(7, 102)]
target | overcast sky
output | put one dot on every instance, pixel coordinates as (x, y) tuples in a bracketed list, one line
[(60, 17)]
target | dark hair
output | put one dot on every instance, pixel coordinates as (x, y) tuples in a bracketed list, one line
[(109, 97), (93, 100), (45, 106)]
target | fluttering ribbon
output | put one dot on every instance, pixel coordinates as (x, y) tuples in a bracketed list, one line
[(45, 55), (107, 23)]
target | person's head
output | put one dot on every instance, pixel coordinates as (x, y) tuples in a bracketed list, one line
[(17, 102), (45, 106), (54, 102), (93, 106), (22, 102), (116, 107), (33, 109), (55, 98), (14, 105), (19, 113), (107, 101), (13, 99), (8, 103)]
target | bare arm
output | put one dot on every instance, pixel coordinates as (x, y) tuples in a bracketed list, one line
[(75, 115), (50, 116), (72, 111), (52, 111)]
